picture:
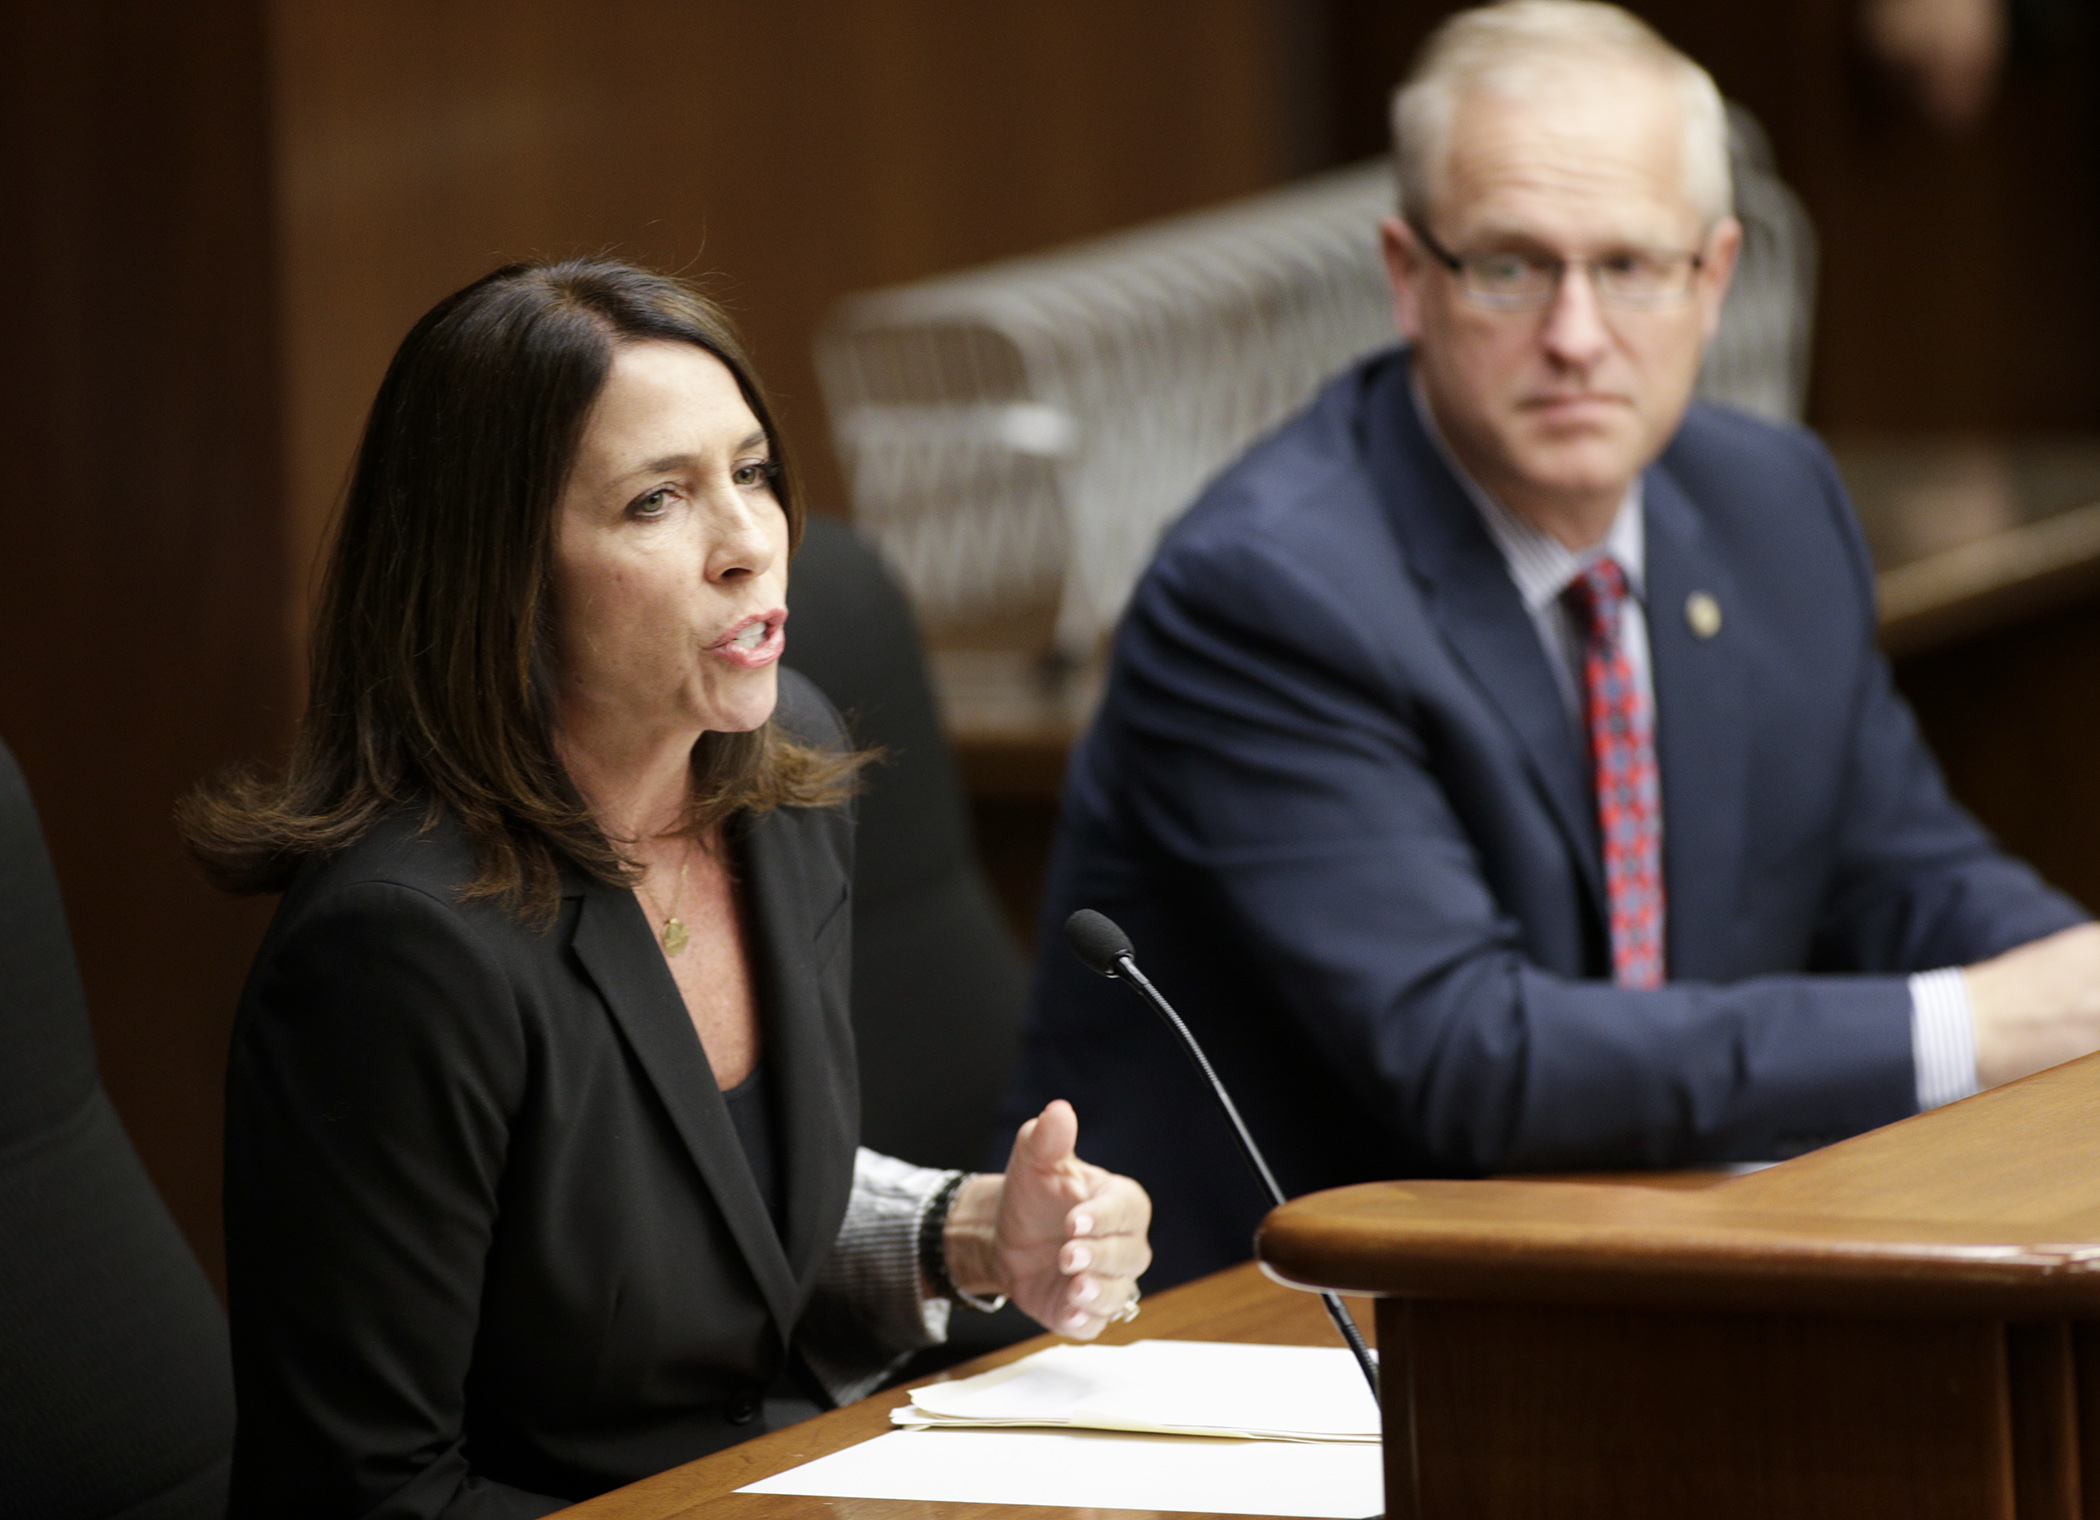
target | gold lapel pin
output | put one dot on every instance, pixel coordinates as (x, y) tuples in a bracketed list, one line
[(1703, 614)]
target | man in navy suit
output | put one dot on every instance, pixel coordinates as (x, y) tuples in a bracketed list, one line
[(1496, 765)]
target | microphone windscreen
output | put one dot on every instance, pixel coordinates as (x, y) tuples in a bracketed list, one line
[(1096, 940)]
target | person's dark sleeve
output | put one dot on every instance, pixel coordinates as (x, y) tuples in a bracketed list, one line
[(375, 1069), (1919, 884), (1271, 749)]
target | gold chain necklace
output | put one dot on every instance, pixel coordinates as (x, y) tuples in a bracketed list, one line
[(673, 933)]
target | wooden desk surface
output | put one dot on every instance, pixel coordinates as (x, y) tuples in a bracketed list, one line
[(1238, 1304), (1990, 1206), (1900, 1326), (1971, 534)]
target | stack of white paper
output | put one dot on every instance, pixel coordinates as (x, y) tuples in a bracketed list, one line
[(1281, 1393), (1098, 1470)]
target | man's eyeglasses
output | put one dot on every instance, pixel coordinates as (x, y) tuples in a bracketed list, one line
[(1640, 278)]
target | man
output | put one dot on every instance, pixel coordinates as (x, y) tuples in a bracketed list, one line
[(1496, 765)]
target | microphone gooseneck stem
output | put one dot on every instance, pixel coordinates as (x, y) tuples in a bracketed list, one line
[(1126, 969)]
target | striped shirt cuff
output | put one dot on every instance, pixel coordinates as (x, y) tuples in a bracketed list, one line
[(875, 1264), (870, 1304), (1942, 1037)]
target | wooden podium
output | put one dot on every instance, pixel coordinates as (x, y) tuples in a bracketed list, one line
[(1906, 1324)]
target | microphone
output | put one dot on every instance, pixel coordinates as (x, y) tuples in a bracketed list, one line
[(1106, 949)]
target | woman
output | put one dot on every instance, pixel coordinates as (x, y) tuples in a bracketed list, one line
[(541, 1168)]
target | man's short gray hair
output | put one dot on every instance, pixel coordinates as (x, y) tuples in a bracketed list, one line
[(1510, 49)]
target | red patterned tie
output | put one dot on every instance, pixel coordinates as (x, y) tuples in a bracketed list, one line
[(1629, 809)]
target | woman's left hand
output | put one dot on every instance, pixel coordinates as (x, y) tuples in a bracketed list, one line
[(1062, 1238)]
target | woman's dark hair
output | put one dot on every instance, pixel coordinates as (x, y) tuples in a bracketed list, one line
[(430, 676)]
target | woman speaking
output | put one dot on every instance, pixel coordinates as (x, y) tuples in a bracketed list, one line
[(541, 1121)]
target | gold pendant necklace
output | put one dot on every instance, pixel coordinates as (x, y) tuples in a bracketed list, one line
[(674, 933)]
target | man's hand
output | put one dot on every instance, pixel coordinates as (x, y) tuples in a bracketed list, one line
[(2036, 1006), (1062, 1238)]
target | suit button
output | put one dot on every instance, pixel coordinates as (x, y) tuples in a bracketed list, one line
[(743, 1406)]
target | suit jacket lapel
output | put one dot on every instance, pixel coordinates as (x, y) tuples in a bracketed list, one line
[(809, 1047), (619, 952), (1481, 616), (1702, 744)]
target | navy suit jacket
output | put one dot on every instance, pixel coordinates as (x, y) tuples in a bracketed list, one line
[(1335, 797)]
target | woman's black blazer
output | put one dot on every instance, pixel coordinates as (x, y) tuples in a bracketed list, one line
[(492, 1242)]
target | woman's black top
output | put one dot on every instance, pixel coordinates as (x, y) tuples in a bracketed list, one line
[(493, 1243), (751, 1114)]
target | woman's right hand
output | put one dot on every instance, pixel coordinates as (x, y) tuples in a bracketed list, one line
[(1062, 1238)]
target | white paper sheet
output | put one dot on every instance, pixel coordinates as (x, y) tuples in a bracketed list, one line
[(1087, 1469), (1291, 1393)]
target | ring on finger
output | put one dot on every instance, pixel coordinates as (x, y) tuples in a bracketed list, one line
[(1129, 1311)]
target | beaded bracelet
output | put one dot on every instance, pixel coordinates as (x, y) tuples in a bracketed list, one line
[(933, 1250)]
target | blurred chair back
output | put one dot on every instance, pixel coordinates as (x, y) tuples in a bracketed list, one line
[(938, 982), (116, 1395), (1017, 436)]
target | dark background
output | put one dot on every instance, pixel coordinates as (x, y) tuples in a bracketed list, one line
[(217, 218)]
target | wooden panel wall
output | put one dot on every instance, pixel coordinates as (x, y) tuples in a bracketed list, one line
[(789, 153), (141, 537)]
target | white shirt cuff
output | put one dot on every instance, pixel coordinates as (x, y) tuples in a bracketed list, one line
[(1942, 1037)]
